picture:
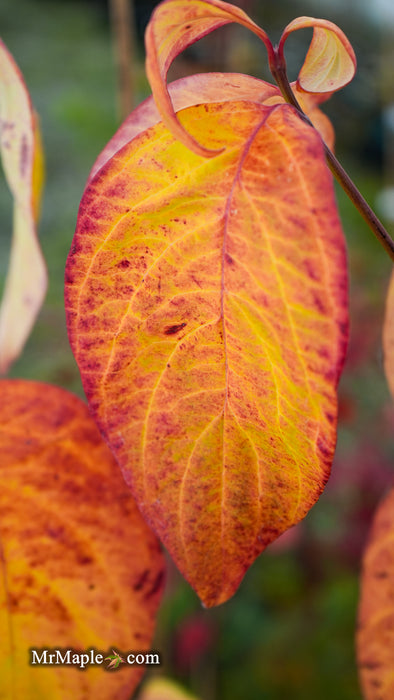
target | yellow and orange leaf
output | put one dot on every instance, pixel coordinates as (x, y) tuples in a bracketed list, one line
[(375, 636), (207, 310), (80, 568), (388, 336), (22, 161), (164, 689)]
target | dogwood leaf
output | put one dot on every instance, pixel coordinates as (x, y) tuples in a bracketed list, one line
[(206, 306)]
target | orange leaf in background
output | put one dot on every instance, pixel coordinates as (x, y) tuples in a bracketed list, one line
[(22, 161), (163, 689), (80, 567), (388, 336), (375, 637), (206, 305)]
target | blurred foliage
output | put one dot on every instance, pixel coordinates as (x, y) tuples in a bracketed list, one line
[(289, 631)]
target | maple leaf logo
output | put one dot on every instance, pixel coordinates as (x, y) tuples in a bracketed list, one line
[(115, 660)]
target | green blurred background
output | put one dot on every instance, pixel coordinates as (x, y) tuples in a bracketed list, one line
[(289, 630)]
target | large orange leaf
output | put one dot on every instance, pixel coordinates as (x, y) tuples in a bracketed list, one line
[(21, 154), (206, 305), (375, 637), (388, 336), (80, 568)]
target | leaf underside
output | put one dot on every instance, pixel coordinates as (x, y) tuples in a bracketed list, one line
[(79, 567), (206, 306), (330, 63)]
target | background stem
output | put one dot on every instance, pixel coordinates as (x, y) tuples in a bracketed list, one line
[(122, 20)]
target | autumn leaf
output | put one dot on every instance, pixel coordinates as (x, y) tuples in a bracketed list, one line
[(80, 568), (22, 161), (206, 306), (375, 636), (164, 689), (388, 336)]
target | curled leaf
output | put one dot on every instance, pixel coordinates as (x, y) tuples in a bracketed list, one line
[(173, 27), (388, 336), (80, 568), (206, 308), (375, 636), (330, 63), (21, 154)]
